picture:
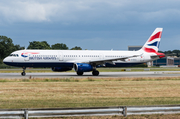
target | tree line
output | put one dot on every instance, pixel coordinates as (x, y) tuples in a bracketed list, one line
[(45, 45), (7, 46), (171, 53)]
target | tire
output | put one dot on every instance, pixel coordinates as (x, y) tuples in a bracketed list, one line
[(80, 73), (95, 73), (23, 74)]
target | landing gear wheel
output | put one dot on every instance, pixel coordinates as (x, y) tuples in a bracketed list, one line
[(80, 73), (95, 73), (23, 73)]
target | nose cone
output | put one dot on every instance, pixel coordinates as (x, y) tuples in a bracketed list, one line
[(6, 60)]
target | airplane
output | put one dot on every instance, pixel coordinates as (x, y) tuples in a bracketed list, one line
[(86, 60)]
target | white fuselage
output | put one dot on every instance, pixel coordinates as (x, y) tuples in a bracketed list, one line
[(58, 58)]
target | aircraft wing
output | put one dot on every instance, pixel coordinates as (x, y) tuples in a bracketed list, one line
[(103, 61)]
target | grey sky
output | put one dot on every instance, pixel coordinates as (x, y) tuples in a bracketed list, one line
[(91, 24)]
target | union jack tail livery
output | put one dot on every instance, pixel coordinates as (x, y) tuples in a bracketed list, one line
[(152, 44)]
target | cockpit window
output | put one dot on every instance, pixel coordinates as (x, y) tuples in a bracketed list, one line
[(14, 55)]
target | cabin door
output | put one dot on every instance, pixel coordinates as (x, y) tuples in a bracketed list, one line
[(61, 57), (101, 56)]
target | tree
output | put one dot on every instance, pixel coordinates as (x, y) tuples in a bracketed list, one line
[(160, 51), (18, 47), (6, 46), (38, 45), (176, 52), (76, 48), (59, 46), (168, 52)]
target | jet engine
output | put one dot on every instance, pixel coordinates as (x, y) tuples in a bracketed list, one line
[(82, 67)]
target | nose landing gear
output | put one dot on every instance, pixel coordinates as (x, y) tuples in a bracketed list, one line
[(23, 73)]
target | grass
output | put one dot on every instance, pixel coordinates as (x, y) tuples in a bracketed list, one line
[(155, 116), (88, 92), (90, 79)]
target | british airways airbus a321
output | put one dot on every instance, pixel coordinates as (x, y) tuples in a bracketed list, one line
[(85, 60)]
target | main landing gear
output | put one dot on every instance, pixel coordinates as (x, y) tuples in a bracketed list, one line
[(80, 73), (94, 73), (23, 73)]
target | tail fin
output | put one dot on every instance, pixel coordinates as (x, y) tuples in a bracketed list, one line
[(152, 44)]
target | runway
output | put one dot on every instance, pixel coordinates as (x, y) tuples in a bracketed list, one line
[(89, 74)]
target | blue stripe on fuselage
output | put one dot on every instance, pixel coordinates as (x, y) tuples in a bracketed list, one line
[(45, 64), (65, 64)]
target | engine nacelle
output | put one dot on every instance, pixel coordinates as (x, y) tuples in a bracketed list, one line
[(82, 67), (61, 69)]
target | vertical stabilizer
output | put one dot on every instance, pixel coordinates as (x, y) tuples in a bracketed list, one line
[(152, 44)]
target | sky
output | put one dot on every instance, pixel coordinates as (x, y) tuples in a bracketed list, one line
[(91, 24)]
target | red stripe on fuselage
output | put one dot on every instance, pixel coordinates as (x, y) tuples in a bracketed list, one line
[(157, 35), (31, 53)]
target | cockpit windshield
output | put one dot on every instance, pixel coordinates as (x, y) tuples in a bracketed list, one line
[(14, 55)]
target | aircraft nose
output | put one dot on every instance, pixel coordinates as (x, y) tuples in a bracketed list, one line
[(6, 60)]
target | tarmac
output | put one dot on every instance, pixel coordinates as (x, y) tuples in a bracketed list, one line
[(89, 74)]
